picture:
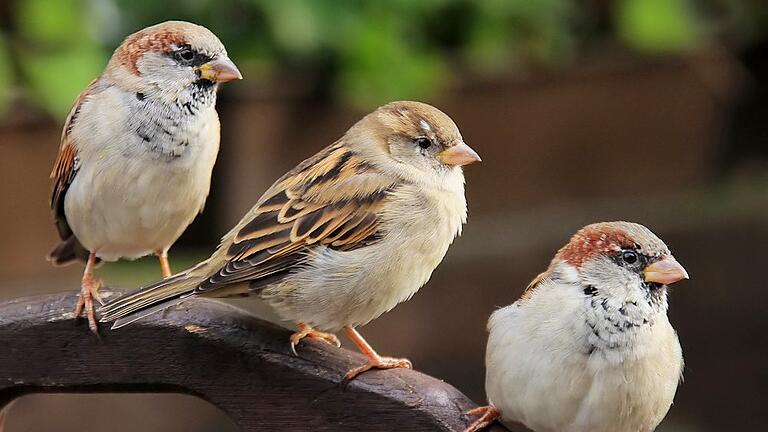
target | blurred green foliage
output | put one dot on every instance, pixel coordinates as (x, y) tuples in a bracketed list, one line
[(6, 76), (658, 25), (362, 51)]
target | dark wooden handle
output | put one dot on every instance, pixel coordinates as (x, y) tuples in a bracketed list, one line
[(215, 351)]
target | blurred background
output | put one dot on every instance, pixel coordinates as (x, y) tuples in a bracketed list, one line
[(652, 111)]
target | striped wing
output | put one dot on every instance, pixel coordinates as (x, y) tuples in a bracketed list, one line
[(331, 200)]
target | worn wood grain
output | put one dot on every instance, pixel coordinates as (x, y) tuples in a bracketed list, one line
[(217, 352)]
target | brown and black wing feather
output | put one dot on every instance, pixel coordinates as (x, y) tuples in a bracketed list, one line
[(331, 200), (311, 206), (64, 171)]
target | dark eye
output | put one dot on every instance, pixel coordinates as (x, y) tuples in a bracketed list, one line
[(185, 55), (629, 257), (424, 142)]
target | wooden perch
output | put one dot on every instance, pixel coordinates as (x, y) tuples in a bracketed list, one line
[(217, 352)]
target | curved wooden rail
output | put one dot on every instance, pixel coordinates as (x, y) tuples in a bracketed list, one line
[(224, 355)]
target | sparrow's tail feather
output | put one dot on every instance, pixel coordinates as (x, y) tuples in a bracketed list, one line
[(153, 298), (143, 313), (67, 252)]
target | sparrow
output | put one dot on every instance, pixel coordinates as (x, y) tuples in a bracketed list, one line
[(137, 151), (343, 237), (588, 346)]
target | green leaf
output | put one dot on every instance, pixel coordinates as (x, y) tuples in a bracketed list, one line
[(382, 62), (295, 24), (56, 78), (658, 26), (489, 43), (53, 22), (6, 77)]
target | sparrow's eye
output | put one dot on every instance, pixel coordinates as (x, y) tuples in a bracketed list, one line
[(184, 55), (629, 257), (424, 142)]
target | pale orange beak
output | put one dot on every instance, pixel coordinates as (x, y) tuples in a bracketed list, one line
[(458, 155), (666, 271), (219, 70)]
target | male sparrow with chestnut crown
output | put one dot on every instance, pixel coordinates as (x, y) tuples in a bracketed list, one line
[(137, 151), (343, 237), (588, 347)]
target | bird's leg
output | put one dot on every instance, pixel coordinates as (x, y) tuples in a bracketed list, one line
[(89, 290), (307, 331), (165, 266), (488, 414), (165, 271), (375, 361)]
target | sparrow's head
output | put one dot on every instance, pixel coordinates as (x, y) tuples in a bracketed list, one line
[(418, 137), (171, 61), (619, 260)]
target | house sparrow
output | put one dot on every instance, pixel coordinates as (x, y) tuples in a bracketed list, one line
[(137, 151), (343, 237), (588, 346)]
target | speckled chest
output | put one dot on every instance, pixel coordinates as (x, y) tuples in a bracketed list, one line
[(614, 327), (165, 131)]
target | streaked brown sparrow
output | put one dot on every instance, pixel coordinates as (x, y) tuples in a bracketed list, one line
[(343, 237), (137, 151)]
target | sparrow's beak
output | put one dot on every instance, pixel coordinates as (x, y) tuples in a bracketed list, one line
[(458, 155), (219, 70), (666, 271)]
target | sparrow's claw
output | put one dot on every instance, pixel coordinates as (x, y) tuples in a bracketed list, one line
[(377, 363), (307, 331), (89, 290), (488, 414), (95, 291)]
